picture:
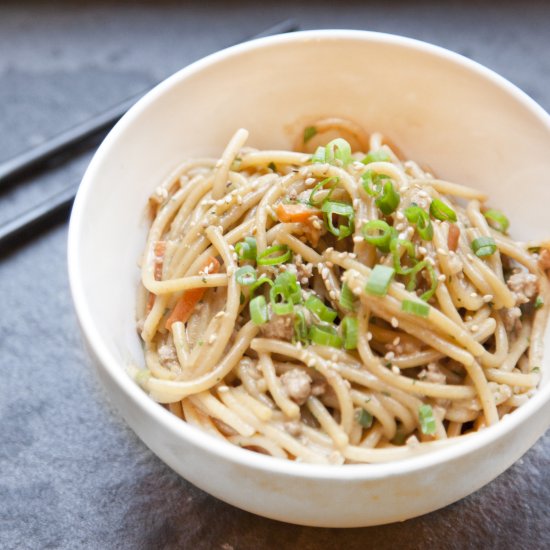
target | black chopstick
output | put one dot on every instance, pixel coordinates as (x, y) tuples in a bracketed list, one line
[(31, 220)]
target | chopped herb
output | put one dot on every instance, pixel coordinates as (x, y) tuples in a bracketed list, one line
[(309, 132), (427, 419), (380, 155), (258, 310), (347, 298), (272, 166), (364, 418), (440, 211), (388, 201), (379, 280), (497, 220), (539, 302), (325, 335), (416, 308), (282, 254), (343, 210), (484, 246), (421, 219)]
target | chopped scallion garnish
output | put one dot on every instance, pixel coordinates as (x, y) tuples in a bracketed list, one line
[(246, 275), (347, 298), (379, 280), (325, 335), (539, 302), (262, 280), (272, 166), (320, 186), (300, 327), (325, 313), (380, 155), (364, 418), (395, 243), (497, 220), (484, 246), (309, 132), (246, 250), (416, 308), (274, 255), (350, 329), (378, 233), (440, 211), (336, 150), (421, 219), (427, 419), (388, 201), (342, 209), (258, 310), (373, 182)]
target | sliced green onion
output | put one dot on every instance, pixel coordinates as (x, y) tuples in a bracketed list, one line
[(262, 280), (378, 233), (416, 308), (281, 303), (319, 186), (347, 298), (539, 302), (246, 250), (342, 209), (379, 280), (319, 155), (380, 155), (277, 254), (300, 327), (373, 182), (350, 329), (413, 272), (246, 275), (364, 418), (338, 149), (389, 200), (272, 166), (309, 132), (258, 310), (290, 287), (325, 335), (427, 419), (395, 243), (439, 210), (434, 282), (322, 311), (497, 220), (484, 246), (421, 219)]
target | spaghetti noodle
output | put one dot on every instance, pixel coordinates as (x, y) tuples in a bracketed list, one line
[(336, 306)]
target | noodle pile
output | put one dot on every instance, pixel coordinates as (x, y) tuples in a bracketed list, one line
[(336, 306)]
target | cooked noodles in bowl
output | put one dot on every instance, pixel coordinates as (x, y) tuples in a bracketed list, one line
[(336, 304)]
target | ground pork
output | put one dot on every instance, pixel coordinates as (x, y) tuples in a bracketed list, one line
[(297, 385), (511, 318), (280, 327), (523, 285), (168, 356)]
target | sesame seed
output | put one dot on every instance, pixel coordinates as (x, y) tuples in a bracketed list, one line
[(442, 252), (223, 389), (310, 181), (441, 277), (212, 338), (332, 295), (399, 215), (395, 369), (325, 273), (330, 264), (473, 294), (488, 298), (396, 341), (389, 356), (470, 257), (394, 322), (474, 328), (357, 239), (369, 336)]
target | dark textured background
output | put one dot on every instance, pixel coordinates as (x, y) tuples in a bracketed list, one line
[(72, 475)]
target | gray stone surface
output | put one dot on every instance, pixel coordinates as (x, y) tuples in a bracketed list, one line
[(72, 475)]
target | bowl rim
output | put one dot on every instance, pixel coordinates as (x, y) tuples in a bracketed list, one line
[(223, 449)]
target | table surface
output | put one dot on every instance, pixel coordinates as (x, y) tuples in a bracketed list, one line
[(72, 474)]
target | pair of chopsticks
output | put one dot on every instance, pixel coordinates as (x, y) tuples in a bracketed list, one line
[(31, 221)]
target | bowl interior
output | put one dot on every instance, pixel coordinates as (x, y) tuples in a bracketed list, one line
[(467, 124)]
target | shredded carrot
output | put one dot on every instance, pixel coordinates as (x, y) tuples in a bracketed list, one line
[(453, 236), (296, 213), (190, 298)]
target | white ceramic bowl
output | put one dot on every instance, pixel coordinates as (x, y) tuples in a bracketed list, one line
[(467, 123)]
